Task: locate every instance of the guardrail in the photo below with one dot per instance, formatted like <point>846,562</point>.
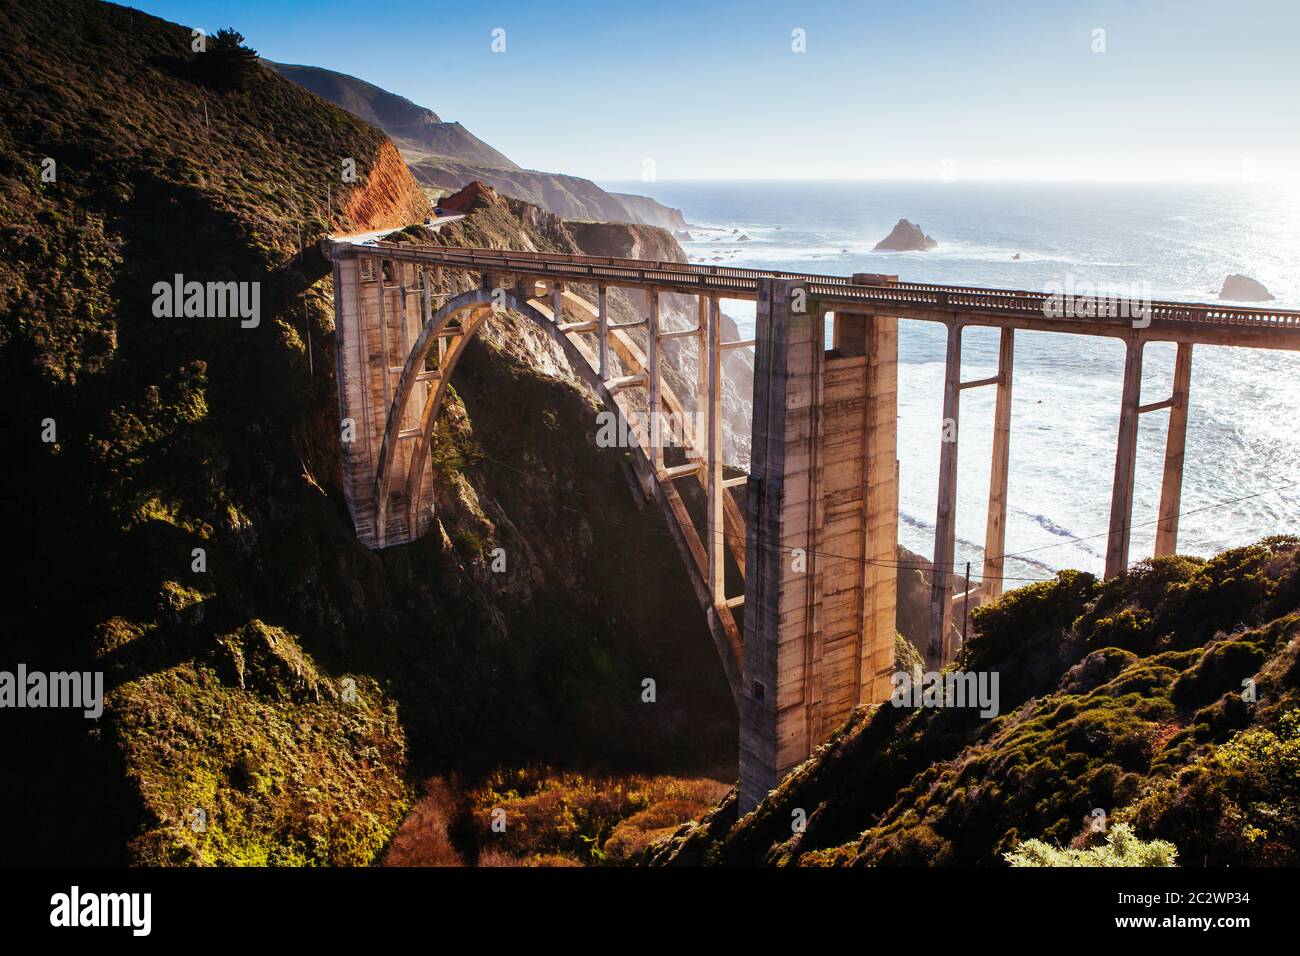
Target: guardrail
<point>743,283</point>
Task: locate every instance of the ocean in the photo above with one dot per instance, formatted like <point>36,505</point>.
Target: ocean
<point>1241,480</point>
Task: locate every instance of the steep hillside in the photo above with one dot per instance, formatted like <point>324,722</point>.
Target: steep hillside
<point>446,156</point>
<point>648,211</point>
<point>569,197</point>
<point>413,128</point>
<point>626,242</point>
<point>171,505</point>
<point>1168,699</point>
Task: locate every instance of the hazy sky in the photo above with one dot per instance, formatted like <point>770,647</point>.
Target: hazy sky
<point>967,89</point>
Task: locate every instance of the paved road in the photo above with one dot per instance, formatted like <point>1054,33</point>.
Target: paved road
<point>364,237</point>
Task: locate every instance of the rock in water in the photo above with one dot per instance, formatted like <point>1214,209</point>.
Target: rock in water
<point>906,237</point>
<point>1244,289</point>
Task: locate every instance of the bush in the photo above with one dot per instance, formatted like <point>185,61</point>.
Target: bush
<point>1122,848</point>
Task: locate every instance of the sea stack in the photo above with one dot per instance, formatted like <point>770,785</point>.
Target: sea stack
<point>1241,288</point>
<point>906,237</point>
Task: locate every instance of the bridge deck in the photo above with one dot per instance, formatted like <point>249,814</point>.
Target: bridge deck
<point>971,305</point>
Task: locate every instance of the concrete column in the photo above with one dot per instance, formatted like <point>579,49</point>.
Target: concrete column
<point>879,501</point>
<point>778,618</point>
<point>943,647</point>
<point>995,535</point>
<point>380,292</point>
<point>652,371</point>
<point>360,394</point>
<point>1171,490</point>
<point>426,297</point>
<point>399,272</point>
<point>602,316</point>
<point>1121,500</point>
<point>821,531</point>
<point>711,404</point>
<point>702,323</point>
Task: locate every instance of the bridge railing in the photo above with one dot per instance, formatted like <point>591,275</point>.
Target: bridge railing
<point>743,283</point>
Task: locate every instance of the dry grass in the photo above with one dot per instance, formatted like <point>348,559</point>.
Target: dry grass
<point>424,837</point>
<point>551,818</point>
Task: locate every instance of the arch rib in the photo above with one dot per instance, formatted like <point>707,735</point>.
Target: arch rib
<point>414,364</point>
<point>479,304</point>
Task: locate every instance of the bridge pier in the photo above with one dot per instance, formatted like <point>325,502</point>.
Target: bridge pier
<point>652,386</point>
<point>943,644</point>
<point>819,606</point>
<point>709,414</point>
<point>942,647</point>
<point>1171,490</point>
<point>1121,499</point>
<point>995,535</point>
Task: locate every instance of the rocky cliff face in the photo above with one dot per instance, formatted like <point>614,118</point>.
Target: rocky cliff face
<point>386,196</point>
<point>626,241</point>
<point>569,197</point>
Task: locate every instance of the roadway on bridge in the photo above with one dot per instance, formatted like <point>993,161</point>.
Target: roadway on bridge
<point>367,238</point>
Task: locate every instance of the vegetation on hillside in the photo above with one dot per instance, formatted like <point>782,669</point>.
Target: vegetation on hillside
<point>1168,700</point>
<point>1121,848</point>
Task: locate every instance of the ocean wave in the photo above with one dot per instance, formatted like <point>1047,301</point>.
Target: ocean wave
<point>1047,524</point>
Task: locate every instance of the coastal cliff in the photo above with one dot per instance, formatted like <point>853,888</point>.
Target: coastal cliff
<point>645,210</point>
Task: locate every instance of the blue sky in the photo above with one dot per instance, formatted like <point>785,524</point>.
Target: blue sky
<point>968,89</point>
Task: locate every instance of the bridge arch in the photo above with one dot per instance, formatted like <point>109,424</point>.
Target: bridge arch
<point>456,322</point>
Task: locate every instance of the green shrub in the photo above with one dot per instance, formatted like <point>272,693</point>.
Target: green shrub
<point>1121,848</point>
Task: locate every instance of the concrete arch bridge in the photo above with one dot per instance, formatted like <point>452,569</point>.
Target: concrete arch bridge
<point>811,635</point>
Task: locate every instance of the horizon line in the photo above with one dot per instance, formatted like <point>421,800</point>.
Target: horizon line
<point>1261,181</point>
